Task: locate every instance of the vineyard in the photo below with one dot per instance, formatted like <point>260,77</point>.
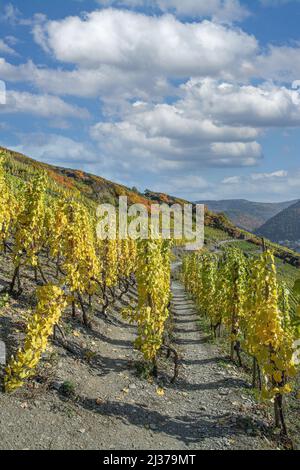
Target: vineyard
<point>39,231</point>
<point>259,315</point>
<point>65,277</point>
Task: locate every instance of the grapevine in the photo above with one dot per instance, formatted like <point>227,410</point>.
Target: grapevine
<point>153,284</point>
<point>30,229</point>
<point>7,208</point>
<point>51,302</point>
<point>245,296</point>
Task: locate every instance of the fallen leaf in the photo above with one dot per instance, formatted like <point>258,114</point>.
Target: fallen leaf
<point>160,392</point>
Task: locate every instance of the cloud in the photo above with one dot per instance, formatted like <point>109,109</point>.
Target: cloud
<point>111,81</point>
<point>57,150</point>
<point>279,63</point>
<point>214,123</point>
<point>5,48</point>
<point>11,40</point>
<point>121,39</point>
<point>113,57</point>
<point>267,176</point>
<point>223,10</point>
<point>232,180</point>
<point>160,135</point>
<point>188,185</point>
<point>40,105</point>
<point>271,186</point>
<point>266,105</point>
<point>106,83</point>
<point>11,14</point>
<point>176,97</point>
<point>67,152</point>
<point>237,153</point>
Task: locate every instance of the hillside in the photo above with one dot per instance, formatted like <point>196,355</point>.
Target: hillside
<point>95,189</point>
<point>285,226</point>
<point>247,214</point>
<point>88,368</point>
<point>88,186</point>
<point>91,390</point>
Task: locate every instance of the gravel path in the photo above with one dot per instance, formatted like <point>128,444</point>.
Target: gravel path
<point>221,413</point>
<point>209,407</point>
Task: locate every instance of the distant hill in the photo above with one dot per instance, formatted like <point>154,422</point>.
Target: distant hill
<point>246,214</point>
<point>285,226</point>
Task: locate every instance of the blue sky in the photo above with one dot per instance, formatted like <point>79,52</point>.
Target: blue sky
<point>198,99</point>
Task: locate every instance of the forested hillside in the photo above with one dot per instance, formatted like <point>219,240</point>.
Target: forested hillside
<point>285,226</point>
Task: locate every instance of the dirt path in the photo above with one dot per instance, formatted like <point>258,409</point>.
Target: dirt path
<point>221,412</point>
<point>113,408</point>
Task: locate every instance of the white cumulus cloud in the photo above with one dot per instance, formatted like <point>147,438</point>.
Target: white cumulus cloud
<point>170,134</point>
<point>265,105</point>
<point>132,41</point>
